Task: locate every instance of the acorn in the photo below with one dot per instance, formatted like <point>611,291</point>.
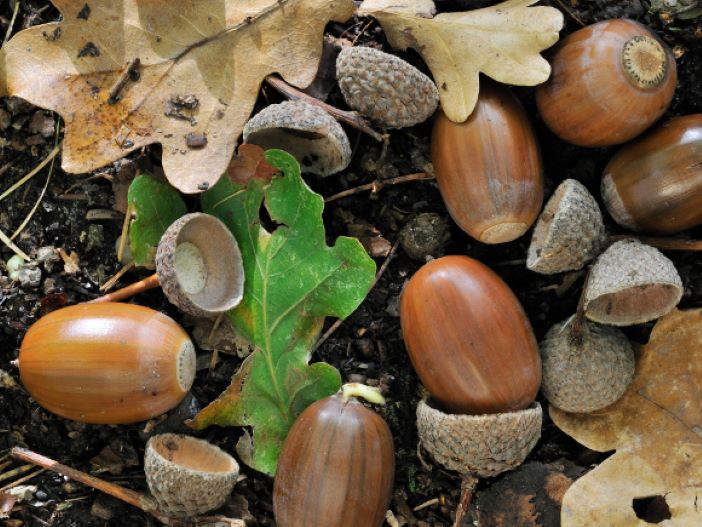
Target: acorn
<point>610,81</point>
<point>655,183</point>
<point>188,476</point>
<point>631,283</point>
<point>385,88</point>
<point>468,338</point>
<point>337,465</point>
<point>489,168</point>
<point>307,132</point>
<point>569,232</point>
<point>107,363</point>
<point>586,367</point>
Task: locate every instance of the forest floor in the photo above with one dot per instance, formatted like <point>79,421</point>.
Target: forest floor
<point>367,347</point>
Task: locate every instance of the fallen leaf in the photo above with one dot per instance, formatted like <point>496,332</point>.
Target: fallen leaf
<point>293,281</point>
<point>71,263</point>
<point>155,206</point>
<point>250,162</point>
<point>656,430</point>
<point>183,74</point>
<point>502,41</point>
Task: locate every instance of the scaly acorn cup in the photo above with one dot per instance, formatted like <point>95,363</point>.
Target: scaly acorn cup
<point>337,465</point>
<point>107,363</point>
<point>655,183</point>
<point>488,168</point>
<point>610,81</point>
<point>188,476</point>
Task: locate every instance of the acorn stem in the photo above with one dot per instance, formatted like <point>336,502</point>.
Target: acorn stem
<point>468,484</point>
<point>662,243</point>
<point>355,389</point>
<point>126,292</point>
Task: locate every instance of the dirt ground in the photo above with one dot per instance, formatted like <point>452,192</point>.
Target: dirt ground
<point>367,347</point>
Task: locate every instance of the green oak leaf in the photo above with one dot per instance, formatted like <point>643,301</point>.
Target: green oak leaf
<point>293,281</point>
<point>155,205</point>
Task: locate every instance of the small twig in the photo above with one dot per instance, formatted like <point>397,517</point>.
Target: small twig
<point>126,292</point>
<point>125,232</point>
<point>15,472</point>
<point>350,118</point>
<point>22,479</point>
<point>570,13</point>
<point>468,485</point>
<point>32,173</point>
<point>119,274</point>
<point>377,185</point>
<point>12,23</point>
<point>7,241</point>
<point>378,275</point>
<point>130,72</point>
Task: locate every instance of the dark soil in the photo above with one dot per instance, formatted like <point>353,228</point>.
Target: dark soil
<point>367,347</point>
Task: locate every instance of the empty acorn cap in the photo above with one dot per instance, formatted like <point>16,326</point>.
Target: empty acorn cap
<point>188,476</point>
<point>385,88</point>
<point>199,265</point>
<point>569,232</point>
<point>480,445</point>
<point>631,283</point>
<point>305,131</point>
<point>588,370</point>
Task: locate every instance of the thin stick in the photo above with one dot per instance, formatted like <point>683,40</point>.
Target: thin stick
<point>36,204</point>
<point>126,292</point>
<point>378,275</point>
<point>125,232</point>
<point>22,479</point>
<point>350,118</point>
<point>15,472</point>
<point>571,14</point>
<point>467,488</point>
<point>12,23</point>
<point>32,173</point>
<point>7,241</point>
<point>130,72</point>
<point>377,185</point>
<point>119,274</point>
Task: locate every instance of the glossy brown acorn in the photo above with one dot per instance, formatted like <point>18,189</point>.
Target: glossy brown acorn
<point>489,167</point>
<point>655,184</point>
<point>469,339</point>
<point>336,468</point>
<point>610,81</point>
<point>107,363</point>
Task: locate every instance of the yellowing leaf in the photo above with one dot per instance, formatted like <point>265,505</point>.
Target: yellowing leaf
<point>656,429</point>
<point>501,41</point>
<point>190,74</point>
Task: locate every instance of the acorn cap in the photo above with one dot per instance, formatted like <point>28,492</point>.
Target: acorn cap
<point>199,265</point>
<point>631,283</point>
<point>188,476</point>
<point>569,232</point>
<point>385,88</point>
<point>587,371</point>
<point>305,131</point>
<point>480,445</point>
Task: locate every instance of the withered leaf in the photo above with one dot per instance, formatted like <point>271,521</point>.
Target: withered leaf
<point>656,430</point>
<point>502,41</point>
<point>135,73</point>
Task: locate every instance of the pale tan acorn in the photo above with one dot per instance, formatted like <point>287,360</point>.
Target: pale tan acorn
<point>188,476</point>
<point>569,232</point>
<point>586,367</point>
<point>307,132</point>
<point>385,88</point>
<point>631,283</point>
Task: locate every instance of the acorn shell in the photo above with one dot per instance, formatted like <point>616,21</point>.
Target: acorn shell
<point>479,445</point>
<point>199,265</point>
<point>307,132</point>
<point>489,168</point>
<point>469,339</point>
<point>107,363</point>
<point>188,476</point>
<point>631,283</point>
<point>587,371</point>
<point>655,184</point>
<point>569,232</point>
<point>610,81</point>
<point>336,468</point>
<point>385,88</point>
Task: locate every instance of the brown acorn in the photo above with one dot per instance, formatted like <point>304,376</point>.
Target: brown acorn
<point>469,339</point>
<point>489,167</point>
<point>655,183</point>
<point>107,363</point>
<point>336,468</point>
<point>610,81</point>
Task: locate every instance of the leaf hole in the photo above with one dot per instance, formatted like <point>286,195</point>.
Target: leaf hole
<point>651,509</point>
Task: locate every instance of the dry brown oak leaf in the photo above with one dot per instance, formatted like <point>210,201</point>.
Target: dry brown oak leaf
<point>125,73</point>
<point>656,429</point>
<point>502,41</point>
